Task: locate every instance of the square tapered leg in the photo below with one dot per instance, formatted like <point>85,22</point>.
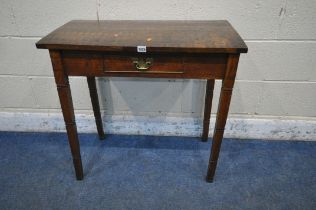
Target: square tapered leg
<point>223,108</point>
<point>95,105</point>
<point>65,98</point>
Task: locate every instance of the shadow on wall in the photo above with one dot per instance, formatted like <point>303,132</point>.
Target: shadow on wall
<point>169,97</point>
<point>151,97</point>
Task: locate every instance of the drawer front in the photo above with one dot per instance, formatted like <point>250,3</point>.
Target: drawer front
<point>204,66</point>
<point>83,64</point>
<point>142,64</point>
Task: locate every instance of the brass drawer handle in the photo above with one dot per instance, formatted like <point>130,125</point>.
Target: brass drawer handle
<point>142,64</point>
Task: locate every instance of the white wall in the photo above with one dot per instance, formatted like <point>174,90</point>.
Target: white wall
<point>276,78</point>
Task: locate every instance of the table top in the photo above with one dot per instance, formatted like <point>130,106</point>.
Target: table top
<point>217,36</point>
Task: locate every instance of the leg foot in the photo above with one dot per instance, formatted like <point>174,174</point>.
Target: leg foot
<point>78,167</point>
<point>101,136</point>
<point>209,179</point>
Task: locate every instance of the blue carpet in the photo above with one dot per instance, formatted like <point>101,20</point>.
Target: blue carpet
<point>149,172</point>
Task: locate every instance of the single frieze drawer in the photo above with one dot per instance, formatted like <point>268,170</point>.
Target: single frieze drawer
<point>144,64</point>
<point>176,66</point>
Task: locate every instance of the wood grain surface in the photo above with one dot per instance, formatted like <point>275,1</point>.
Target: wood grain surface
<point>216,36</point>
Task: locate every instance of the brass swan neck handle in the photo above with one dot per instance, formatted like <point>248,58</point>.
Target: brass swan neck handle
<point>142,64</point>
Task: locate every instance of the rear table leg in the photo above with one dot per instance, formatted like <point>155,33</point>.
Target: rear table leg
<point>95,106</point>
<point>207,108</point>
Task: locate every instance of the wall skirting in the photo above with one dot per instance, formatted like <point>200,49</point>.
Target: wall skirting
<point>237,127</point>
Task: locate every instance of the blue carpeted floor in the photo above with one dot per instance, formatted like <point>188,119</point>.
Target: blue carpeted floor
<point>148,172</point>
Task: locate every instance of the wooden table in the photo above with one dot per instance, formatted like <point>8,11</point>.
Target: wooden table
<point>156,49</point>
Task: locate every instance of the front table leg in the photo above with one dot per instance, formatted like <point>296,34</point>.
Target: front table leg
<point>223,107</point>
<point>64,93</point>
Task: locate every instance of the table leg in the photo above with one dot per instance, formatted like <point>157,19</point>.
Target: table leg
<point>207,108</point>
<point>223,107</point>
<point>65,98</point>
<point>95,106</point>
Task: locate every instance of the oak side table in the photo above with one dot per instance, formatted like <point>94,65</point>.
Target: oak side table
<point>156,49</point>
